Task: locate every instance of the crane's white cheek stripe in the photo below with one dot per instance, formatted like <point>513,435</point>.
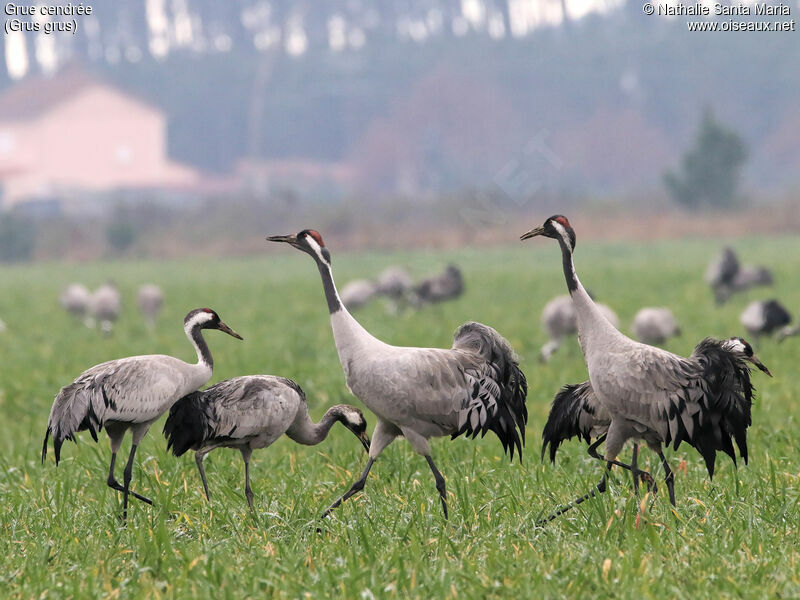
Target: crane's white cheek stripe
<point>198,319</point>
<point>316,248</point>
<point>562,232</point>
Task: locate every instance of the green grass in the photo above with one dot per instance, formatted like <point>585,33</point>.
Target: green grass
<point>61,536</point>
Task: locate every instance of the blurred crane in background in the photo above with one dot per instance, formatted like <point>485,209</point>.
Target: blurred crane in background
<point>150,299</point>
<point>655,325</point>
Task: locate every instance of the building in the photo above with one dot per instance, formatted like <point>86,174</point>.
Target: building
<point>72,136</point>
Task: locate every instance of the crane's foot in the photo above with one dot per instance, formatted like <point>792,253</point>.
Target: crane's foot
<point>598,489</point>
<point>116,485</point>
<point>354,489</point>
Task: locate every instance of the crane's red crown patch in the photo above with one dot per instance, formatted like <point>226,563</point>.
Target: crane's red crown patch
<point>317,237</point>
<point>564,221</point>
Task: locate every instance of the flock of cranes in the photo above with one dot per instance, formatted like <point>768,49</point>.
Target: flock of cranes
<point>635,391</point>
<point>103,307</point>
<point>395,284</point>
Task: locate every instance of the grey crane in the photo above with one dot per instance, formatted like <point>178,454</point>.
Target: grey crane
<point>439,288</point>
<point>394,283</point>
<point>358,293</point>
<point>131,393</point>
<point>721,272</point>
<point>650,394</point>
<point>249,413</point>
<point>75,299</point>
<point>763,317</point>
<point>105,306</point>
<point>727,276</point>
<point>558,320</point>
<point>577,412</point>
<point>655,325</point>
<point>420,393</point>
<point>150,299</point>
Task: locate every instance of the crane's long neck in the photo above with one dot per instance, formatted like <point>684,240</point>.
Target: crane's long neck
<point>331,293</point>
<point>304,431</point>
<point>348,333</point>
<point>204,358</point>
<point>591,321</point>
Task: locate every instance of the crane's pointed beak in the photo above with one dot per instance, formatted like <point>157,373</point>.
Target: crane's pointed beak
<point>288,239</point>
<point>229,331</point>
<point>364,440</point>
<point>760,365</point>
<point>532,233</point>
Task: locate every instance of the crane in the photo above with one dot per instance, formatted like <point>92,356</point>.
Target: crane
<point>150,299</point>
<point>249,413</point>
<point>394,283</point>
<point>763,317</point>
<point>358,293</point>
<point>447,285</point>
<point>727,276</point>
<point>131,393</point>
<point>105,306</point>
<point>576,411</point>
<point>655,325</point>
<point>75,299</point>
<point>650,394</point>
<point>419,393</point>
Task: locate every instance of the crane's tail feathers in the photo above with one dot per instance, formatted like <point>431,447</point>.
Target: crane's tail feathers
<point>574,411</point>
<point>77,407</point>
<point>724,398</point>
<point>498,391</point>
<point>188,423</point>
<point>44,445</point>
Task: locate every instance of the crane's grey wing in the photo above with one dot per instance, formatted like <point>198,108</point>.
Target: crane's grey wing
<point>235,409</point>
<point>703,400</point>
<point>575,411</point>
<point>653,387</point>
<point>132,389</point>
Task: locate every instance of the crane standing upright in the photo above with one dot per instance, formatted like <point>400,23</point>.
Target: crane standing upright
<point>131,393</point>
<point>150,299</point>
<point>653,395</point>
<point>420,393</point>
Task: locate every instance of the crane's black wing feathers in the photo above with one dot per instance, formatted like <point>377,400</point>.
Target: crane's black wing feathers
<point>574,412</point>
<point>498,389</point>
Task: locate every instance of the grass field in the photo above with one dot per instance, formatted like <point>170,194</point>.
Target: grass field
<point>737,537</point>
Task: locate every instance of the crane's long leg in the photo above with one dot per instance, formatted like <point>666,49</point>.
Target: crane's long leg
<point>600,487</point>
<point>644,475</point>
<point>248,492</point>
<point>127,482</point>
<point>116,485</point>
<point>669,477</point>
<point>383,435</point>
<point>356,487</point>
<point>440,486</point>
<point>199,456</point>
